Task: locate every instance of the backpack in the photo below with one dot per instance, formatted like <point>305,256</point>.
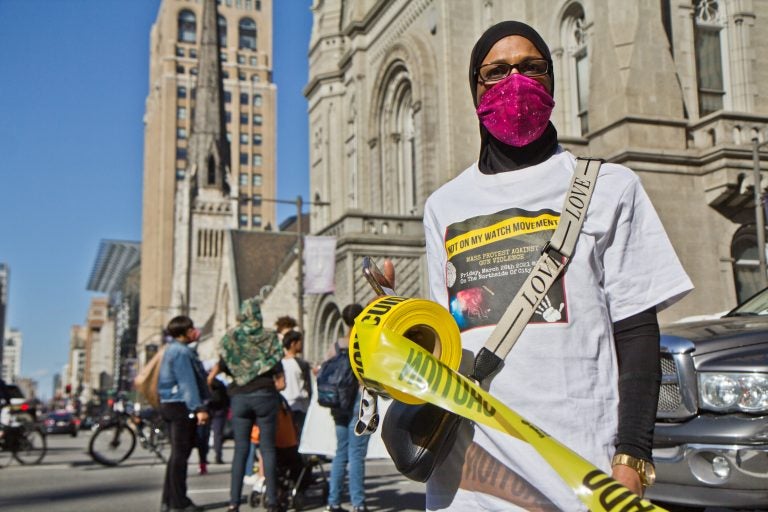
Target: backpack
<point>306,374</point>
<point>146,380</point>
<point>336,384</point>
<point>219,399</point>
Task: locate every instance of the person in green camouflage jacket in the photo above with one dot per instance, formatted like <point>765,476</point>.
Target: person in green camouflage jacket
<point>251,355</point>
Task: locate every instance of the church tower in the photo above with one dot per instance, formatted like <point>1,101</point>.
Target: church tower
<point>204,207</point>
<point>209,151</point>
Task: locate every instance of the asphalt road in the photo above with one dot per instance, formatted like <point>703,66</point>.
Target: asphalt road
<point>69,480</point>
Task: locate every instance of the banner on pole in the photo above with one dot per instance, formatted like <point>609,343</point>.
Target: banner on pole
<point>319,264</point>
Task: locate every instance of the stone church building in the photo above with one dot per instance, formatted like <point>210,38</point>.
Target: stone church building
<point>674,90</point>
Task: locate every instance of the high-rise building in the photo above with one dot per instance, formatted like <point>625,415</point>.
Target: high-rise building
<point>209,161</point>
<point>12,351</point>
<point>116,272</point>
<point>3,300</point>
<point>77,356</point>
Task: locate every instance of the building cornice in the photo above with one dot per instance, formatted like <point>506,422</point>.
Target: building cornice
<point>364,25</point>
<point>319,79</point>
<point>652,120</point>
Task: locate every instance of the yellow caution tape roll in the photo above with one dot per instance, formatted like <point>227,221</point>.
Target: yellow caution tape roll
<point>421,321</point>
<point>423,369</point>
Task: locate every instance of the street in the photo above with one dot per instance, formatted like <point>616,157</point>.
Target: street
<point>69,480</point>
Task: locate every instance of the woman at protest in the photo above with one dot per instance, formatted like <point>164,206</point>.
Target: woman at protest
<point>586,368</point>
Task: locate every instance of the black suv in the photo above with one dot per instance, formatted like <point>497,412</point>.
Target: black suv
<point>711,441</point>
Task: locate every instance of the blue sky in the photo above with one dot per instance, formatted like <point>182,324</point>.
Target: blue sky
<point>73,80</point>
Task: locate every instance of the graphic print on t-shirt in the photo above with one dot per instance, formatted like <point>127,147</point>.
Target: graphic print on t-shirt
<point>489,259</point>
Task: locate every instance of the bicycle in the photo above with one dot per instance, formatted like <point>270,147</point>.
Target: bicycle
<point>114,439</point>
<point>22,441</point>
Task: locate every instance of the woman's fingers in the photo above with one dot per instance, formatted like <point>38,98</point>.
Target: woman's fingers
<point>389,273</point>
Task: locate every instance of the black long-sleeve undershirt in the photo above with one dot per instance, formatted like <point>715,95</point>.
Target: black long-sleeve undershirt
<point>637,350</point>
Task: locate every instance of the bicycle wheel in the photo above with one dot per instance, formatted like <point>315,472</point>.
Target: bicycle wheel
<point>32,447</point>
<point>157,440</point>
<point>112,444</point>
<point>6,455</point>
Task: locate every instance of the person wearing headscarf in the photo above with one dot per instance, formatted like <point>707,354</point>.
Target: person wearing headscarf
<point>252,356</point>
<point>586,368</point>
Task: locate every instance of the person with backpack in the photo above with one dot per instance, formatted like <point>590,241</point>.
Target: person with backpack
<point>298,382</point>
<point>337,386</point>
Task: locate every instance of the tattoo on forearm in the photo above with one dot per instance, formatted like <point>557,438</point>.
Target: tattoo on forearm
<point>484,473</point>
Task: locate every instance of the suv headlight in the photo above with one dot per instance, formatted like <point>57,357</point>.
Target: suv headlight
<point>730,392</point>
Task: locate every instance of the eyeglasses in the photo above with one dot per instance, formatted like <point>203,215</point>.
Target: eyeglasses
<point>497,71</point>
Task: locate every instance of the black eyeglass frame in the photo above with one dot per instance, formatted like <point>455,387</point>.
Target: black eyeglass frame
<point>511,67</point>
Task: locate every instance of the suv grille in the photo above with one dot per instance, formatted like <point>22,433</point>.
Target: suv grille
<point>669,394</point>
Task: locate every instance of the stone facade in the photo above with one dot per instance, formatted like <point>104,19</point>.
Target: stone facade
<point>673,90</point>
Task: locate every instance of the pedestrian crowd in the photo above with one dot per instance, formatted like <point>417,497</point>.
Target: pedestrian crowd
<point>261,386</point>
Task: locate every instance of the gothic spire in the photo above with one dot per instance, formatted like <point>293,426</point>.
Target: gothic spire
<point>208,147</point>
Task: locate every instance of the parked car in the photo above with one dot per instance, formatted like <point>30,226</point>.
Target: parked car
<point>711,441</point>
<point>61,422</point>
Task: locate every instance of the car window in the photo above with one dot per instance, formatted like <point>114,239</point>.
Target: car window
<point>757,305</point>
<point>14,391</point>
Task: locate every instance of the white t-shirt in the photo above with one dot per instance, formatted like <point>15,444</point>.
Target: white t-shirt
<point>295,392</point>
<point>483,234</point>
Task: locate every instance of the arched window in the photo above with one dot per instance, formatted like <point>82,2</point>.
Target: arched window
<point>187,26</point>
<point>709,23</point>
<point>576,67</point>
<point>398,130</point>
<point>211,170</point>
<point>222,22</point>
<point>247,34</point>
<point>407,149</point>
<point>746,266</point>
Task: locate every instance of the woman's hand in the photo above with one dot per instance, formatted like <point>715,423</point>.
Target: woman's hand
<point>629,478</point>
<point>215,370</point>
<point>280,381</point>
<point>389,274</point>
<point>202,417</point>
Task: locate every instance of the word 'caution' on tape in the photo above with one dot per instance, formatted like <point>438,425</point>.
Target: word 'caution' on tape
<point>410,349</point>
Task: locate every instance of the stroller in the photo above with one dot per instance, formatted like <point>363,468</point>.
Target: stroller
<point>299,477</point>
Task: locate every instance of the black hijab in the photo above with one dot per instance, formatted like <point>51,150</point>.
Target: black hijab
<point>495,156</point>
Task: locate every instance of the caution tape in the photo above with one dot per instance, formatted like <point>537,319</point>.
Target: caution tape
<point>410,349</point>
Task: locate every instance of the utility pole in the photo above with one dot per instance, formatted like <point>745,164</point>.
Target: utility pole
<point>300,272</point>
<point>299,202</point>
<point>759,212</point>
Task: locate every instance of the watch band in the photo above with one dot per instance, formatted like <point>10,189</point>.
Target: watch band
<point>645,469</point>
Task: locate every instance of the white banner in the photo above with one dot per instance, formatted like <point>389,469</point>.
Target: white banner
<point>319,434</point>
<point>319,264</point>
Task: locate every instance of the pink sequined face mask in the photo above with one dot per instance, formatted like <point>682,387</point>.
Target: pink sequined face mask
<point>516,110</point>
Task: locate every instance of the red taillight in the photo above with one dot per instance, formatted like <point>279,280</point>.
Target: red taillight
<point>24,407</point>
<point>49,423</point>
<point>76,421</point>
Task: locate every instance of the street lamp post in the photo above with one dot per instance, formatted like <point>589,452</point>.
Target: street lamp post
<point>759,213</point>
<point>299,202</point>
